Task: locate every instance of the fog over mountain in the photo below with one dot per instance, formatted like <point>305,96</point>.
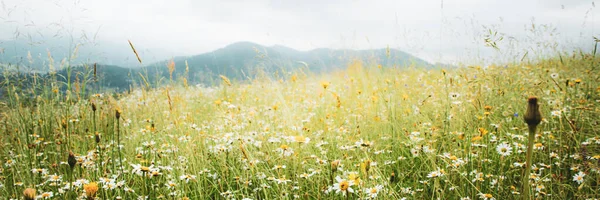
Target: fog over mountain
<point>437,31</point>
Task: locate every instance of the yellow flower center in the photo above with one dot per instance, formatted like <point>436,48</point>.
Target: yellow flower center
<point>344,185</point>
<point>284,147</point>
<point>373,191</point>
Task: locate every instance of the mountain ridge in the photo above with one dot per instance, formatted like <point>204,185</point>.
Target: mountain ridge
<point>246,60</point>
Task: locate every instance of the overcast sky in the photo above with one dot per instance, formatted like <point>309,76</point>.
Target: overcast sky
<point>438,31</point>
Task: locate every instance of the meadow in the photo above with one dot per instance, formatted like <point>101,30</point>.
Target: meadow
<point>365,132</point>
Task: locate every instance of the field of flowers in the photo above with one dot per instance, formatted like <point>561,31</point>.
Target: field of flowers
<point>366,132</point>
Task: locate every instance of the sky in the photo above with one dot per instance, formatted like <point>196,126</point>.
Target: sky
<point>450,31</point>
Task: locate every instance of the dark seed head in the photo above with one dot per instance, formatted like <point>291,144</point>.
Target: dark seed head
<point>72,161</point>
<point>533,117</point>
<point>97,137</point>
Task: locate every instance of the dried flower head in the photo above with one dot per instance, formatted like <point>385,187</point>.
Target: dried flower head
<point>97,137</point>
<point>118,113</point>
<point>334,165</point>
<point>71,160</point>
<point>533,117</point>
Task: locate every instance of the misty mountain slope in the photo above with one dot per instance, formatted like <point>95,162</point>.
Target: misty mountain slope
<point>244,60</point>
<point>237,61</point>
<point>34,53</point>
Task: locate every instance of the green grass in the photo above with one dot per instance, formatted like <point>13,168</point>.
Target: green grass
<point>424,134</point>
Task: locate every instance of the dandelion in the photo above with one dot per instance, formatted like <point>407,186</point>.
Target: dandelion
<point>504,149</point>
<point>579,177</point>
<point>29,194</point>
<point>90,190</point>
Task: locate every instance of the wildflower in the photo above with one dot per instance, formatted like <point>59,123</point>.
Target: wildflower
<point>554,75</point>
<point>45,195</point>
<point>40,171</point>
<point>504,149</point>
<point>556,113</point>
<point>29,194</point>
<point>301,139</point>
<point>90,190</point>
<point>579,177</point>
<point>139,169</point>
<point>171,185</point>
<point>372,192</point>
<point>344,186</point>
<point>325,84</point>
<point>285,150</point>
<point>437,173</point>
<point>486,196</point>
<point>276,167</point>
<point>9,163</point>
<point>539,187</point>
<point>363,143</point>
<point>54,178</point>
<point>454,95</point>
<point>282,180</point>
<point>538,146</point>
<point>187,178</point>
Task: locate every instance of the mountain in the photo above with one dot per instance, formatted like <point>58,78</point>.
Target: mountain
<point>34,54</point>
<point>243,60</point>
<point>237,61</point>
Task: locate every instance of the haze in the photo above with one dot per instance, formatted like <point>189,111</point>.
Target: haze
<point>437,31</point>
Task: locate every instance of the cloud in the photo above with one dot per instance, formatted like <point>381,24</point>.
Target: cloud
<point>439,31</point>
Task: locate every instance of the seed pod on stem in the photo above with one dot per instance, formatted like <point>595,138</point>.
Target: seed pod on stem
<point>532,117</point>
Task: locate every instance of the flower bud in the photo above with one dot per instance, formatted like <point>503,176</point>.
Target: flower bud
<point>72,161</point>
<point>533,117</point>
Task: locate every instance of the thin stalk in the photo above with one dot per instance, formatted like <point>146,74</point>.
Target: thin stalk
<point>526,176</point>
